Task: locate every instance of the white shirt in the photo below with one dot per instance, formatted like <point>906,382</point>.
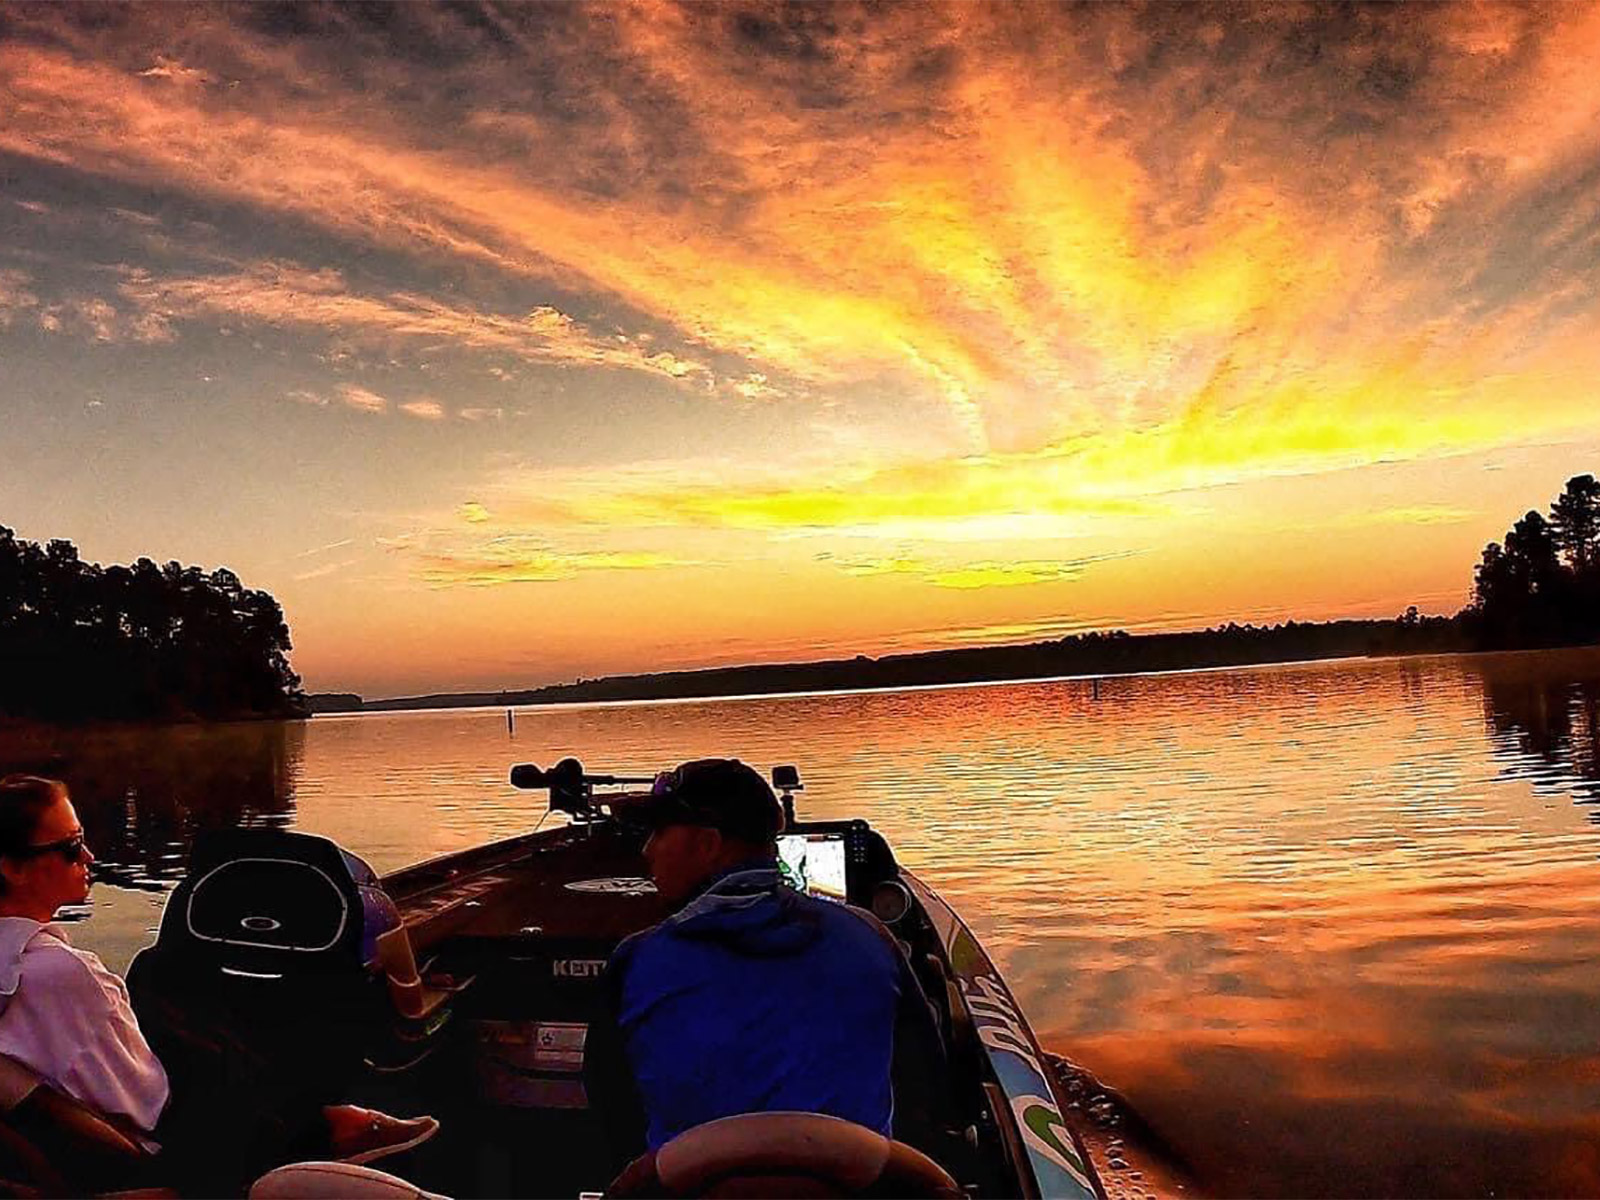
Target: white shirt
<point>63,1013</point>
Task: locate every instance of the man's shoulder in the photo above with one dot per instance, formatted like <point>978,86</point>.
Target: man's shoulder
<point>846,922</point>
<point>839,922</point>
<point>628,949</point>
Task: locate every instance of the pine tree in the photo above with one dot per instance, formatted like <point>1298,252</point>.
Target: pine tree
<point>1575,523</point>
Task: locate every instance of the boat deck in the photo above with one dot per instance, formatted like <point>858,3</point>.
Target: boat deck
<point>575,884</point>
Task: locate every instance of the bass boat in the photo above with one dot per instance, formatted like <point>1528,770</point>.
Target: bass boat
<point>464,986</point>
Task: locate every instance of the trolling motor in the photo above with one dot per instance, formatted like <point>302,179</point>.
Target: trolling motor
<point>571,791</point>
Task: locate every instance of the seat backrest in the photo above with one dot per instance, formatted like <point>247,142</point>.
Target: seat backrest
<point>257,973</point>
<point>265,903</point>
<point>784,1153</point>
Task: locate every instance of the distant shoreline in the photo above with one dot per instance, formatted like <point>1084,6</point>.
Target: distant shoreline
<point>1086,656</point>
<point>377,709</point>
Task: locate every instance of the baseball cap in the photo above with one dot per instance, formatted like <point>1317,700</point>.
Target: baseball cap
<point>718,793</point>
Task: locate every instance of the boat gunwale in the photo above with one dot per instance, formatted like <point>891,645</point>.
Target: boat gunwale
<point>1016,1062</point>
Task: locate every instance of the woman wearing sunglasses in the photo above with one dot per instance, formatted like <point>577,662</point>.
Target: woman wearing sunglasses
<point>62,1012</point>
<point>67,1017</point>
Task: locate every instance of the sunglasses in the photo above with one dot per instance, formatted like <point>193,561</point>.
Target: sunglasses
<point>70,849</point>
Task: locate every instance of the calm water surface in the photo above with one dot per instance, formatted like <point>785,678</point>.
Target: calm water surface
<point>1330,927</point>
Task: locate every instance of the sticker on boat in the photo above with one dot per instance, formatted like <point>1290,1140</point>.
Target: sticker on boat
<point>617,885</point>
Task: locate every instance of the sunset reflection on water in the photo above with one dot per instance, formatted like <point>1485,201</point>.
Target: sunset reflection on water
<point>1328,926</point>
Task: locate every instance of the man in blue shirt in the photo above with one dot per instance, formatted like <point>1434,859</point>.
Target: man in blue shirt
<point>751,997</point>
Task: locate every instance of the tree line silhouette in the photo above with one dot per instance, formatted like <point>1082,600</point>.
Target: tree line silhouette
<point>80,641</point>
<point>1541,586</point>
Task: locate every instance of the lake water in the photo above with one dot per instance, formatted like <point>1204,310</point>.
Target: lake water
<point>1330,927</point>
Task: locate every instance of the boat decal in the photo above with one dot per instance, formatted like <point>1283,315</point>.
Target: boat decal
<point>1045,1133</point>
<point>619,885</point>
<point>999,1024</point>
<point>1058,1168</point>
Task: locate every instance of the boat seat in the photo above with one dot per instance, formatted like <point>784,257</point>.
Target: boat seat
<point>51,1145</point>
<point>344,1181</point>
<point>269,928</point>
<point>788,1154</point>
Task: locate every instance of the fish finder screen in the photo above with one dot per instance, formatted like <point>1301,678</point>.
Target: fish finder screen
<point>814,863</point>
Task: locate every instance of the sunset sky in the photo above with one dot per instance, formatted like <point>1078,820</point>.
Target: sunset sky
<point>510,344</point>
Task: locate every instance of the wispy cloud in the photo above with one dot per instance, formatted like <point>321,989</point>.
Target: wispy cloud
<point>517,558</point>
<point>972,575</point>
<point>101,321</point>
<point>754,386</point>
<point>1410,514</point>
<point>280,294</point>
<point>330,546</point>
<point>361,399</point>
<point>423,410</point>
<point>89,316</point>
<point>173,70</point>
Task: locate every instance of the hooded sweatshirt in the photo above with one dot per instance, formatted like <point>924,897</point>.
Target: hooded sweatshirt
<point>757,998</point>
<point>65,1015</point>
